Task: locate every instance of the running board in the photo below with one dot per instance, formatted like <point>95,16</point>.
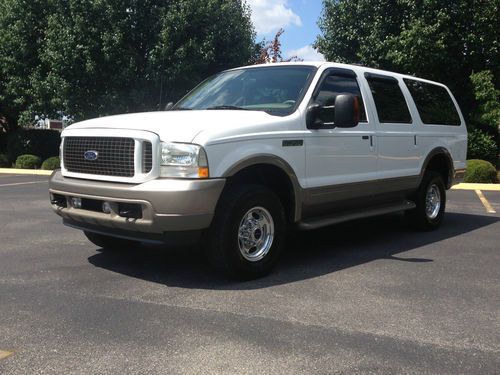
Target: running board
<point>324,221</point>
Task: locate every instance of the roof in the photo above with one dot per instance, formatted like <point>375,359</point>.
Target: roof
<point>354,67</point>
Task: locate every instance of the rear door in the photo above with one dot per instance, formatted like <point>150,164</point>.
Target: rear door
<point>398,154</point>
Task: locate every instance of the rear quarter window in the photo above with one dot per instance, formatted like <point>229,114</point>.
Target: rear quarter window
<point>433,102</point>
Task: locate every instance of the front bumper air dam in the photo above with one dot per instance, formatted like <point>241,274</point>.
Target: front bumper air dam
<point>171,208</point>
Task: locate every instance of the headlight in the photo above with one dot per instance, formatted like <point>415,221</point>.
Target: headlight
<point>183,160</point>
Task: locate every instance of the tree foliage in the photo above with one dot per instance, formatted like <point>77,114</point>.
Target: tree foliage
<point>488,98</point>
<point>21,38</point>
<point>443,40</point>
<point>90,58</point>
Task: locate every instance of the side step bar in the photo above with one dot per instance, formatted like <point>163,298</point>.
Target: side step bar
<point>324,221</point>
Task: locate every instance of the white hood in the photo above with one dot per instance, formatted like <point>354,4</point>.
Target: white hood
<point>182,126</point>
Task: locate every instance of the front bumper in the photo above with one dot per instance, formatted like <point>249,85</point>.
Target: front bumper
<point>169,206</point>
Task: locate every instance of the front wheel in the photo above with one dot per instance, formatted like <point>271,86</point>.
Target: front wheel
<point>248,232</point>
<point>430,200</point>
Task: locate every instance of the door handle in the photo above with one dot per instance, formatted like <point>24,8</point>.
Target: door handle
<point>370,137</point>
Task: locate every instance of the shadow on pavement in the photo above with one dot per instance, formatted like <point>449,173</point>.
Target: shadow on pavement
<point>308,254</point>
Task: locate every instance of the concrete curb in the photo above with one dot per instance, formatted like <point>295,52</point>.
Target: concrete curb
<point>33,172</point>
<point>486,187</point>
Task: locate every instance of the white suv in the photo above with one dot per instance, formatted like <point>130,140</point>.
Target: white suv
<point>253,151</point>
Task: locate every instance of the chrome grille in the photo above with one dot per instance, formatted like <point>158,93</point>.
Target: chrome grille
<point>147,157</point>
<point>115,155</point>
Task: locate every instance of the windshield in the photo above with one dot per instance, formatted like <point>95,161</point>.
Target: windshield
<point>275,90</point>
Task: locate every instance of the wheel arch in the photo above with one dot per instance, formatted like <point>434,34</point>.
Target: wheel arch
<point>441,161</point>
<point>273,172</point>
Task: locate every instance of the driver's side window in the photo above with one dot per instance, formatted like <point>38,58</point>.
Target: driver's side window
<point>332,86</point>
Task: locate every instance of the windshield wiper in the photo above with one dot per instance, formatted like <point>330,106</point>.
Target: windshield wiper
<point>181,109</point>
<point>227,107</point>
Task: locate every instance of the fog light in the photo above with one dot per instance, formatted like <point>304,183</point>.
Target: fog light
<point>58,200</point>
<point>76,202</point>
<point>106,208</point>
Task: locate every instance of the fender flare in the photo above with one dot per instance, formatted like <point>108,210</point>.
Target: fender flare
<point>451,169</point>
<point>275,161</point>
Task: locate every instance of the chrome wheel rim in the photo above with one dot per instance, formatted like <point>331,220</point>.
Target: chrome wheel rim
<point>256,234</point>
<point>432,201</point>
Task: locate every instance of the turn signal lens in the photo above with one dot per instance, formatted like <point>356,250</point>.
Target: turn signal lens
<point>203,172</point>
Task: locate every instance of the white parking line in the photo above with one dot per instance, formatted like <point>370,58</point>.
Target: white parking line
<point>24,183</point>
<point>484,201</point>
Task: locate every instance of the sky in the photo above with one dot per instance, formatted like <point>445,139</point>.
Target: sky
<point>297,17</point>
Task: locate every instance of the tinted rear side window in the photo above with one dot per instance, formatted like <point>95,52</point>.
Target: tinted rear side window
<point>433,102</point>
<point>389,99</point>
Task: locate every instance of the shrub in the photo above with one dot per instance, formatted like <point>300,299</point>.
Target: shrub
<point>28,162</point>
<point>51,163</point>
<point>480,171</point>
<point>44,143</point>
<point>482,146</point>
<point>4,161</point>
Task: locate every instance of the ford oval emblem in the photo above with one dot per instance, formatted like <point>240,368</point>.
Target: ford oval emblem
<point>90,155</point>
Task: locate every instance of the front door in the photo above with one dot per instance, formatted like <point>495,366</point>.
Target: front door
<point>339,161</point>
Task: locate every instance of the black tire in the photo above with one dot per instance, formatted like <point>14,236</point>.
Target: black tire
<point>108,242</point>
<point>422,217</point>
<point>227,250</point>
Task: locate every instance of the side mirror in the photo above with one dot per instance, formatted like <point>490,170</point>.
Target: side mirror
<point>169,106</point>
<point>312,120</point>
<point>346,111</point>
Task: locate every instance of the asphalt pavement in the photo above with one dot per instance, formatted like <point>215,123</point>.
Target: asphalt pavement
<point>369,296</point>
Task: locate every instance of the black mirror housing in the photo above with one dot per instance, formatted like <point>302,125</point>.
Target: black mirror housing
<point>312,120</point>
<point>346,111</point>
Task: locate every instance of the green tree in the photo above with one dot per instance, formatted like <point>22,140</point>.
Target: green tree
<point>488,98</point>
<point>198,38</point>
<point>22,29</point>
<point>97,54</point>
<point>90,58</point>
<point>444,40</point>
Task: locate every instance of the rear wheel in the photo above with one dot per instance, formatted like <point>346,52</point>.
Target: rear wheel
<point>108,242</point>
<point>430,200</point>
<point>248,232</point>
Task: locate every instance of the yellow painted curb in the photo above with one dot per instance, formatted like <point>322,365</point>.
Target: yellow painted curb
<point>486,187</point>
<point>35,172</point>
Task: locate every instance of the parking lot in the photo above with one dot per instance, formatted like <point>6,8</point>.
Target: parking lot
<point>369,296</point>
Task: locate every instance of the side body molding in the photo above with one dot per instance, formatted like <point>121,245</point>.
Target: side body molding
<point>273,160</point>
